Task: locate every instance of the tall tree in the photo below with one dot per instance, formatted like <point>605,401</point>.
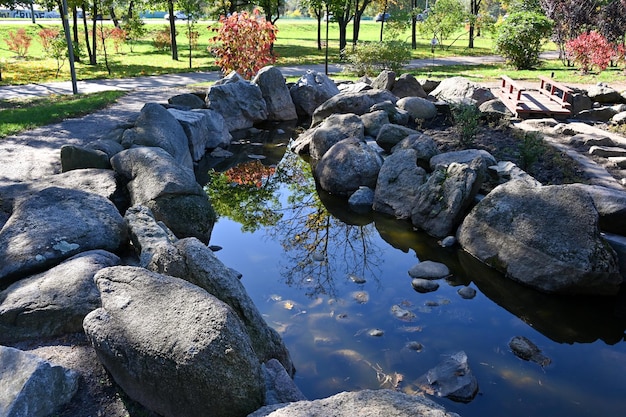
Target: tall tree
<point>571,18</point>
<point>343,12</point>
<point>359,9</point>
<point>272,9</point>
<point>612,21</point>
<point>316,8</point>
<point>473,18</point>
<point>193,10</point>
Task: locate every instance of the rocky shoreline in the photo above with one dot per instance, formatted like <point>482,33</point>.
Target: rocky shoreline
<point>124,229</point>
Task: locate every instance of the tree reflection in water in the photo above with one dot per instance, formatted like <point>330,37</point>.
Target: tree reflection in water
<point>319,248</point>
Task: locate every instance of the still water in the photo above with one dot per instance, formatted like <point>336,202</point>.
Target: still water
<point>324,277</point>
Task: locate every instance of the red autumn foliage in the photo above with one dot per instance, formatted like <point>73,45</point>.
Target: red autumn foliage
<point>243,43</point>
<point>47,35</point>
<point>590,50</point>
<point>251,173</point>
<point>19,42</point>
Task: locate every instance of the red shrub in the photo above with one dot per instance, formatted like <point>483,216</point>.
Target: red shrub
<point>590,50</point>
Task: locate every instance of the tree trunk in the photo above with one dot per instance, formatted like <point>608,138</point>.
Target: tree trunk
<point>319,29</point>
<point>170,9</point>
<point>92,58</point>
<point>94,34</point>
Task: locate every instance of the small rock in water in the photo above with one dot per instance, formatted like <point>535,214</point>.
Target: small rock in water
<point>448,242</point>
<point>356,279</point>
<point>452,378</point>
<point>429,270</point>
<point>215,248</point>
<point>523,348</point>
<point>467,292</point>
<point>401,313</point>
<point>361,297</point>
<point>424,285</point>
<point>413,345</point>
<point>375,332</point>
<point>253,156</point>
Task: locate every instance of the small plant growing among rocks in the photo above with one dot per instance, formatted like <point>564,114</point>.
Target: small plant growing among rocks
<point>531,147</point>
<point>466,119</point>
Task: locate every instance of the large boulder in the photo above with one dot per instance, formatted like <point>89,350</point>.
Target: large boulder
<point>384,81</point>
<point>424,145</point>
<point>55,224</point>
<point>395,114</point>
<point>156,127</point>
<point>391,134</point>
<point>452,378</point>
<point>173,347</point>
<point>462,90</point>
<point>32,386</point>
<point>611,206</point>
<point>544,237</point>
<point>78,157</point>
<point>374,121</point>
<point>240,102</point>
<point>369,403</point>
<point>202,268</point>
<point>398,182</point>
<point>346,166</point>
<point>357,103</point>
<point>444,198</point>
<point>335,128</point>
<point>274,90</point>
<point>463,157</point>
<point>418,108</point>
<point>54,302</point>
<point>310,91</point>
<point>170,191</point>
<point>604,94</point>
<point>205,129</point>
<point>407,86</point>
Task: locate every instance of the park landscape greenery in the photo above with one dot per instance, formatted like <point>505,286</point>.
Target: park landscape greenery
<point>135,46</point>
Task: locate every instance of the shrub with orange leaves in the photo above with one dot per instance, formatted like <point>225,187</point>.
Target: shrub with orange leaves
<point>243,43</point>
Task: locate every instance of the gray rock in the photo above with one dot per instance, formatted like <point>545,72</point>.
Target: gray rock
<point>54,302</point>
<point>156,127</point>
<point>607,151</point>
<point>188,100</point>
<point>188,215</point>
<point>591,140</point>
<point>619,118</point>
<point>240,102</point>
<point>602,93</point>
<point>580,102</point>
<point>429,270</point>
<point>467,293</point>
<point>373,121</point>
<point>31,386</point>
<point>196,263</point>
<point>335,128</point>
<point>452,379</point>
<point>418,108</point>
<point>384,81</point>
<point>448,242</point>
<point>55,224</point>
<point>205,129</point>
<point>429,85</point>
<point>407,86</point>
<point>618,243</point>
<point>173,347</point>
<point>391,134</point>
<point>310,91</point>
<point>357,103</point>
<point>274,90</point>
<point>461,90</point>
<point>523,348</point>
<point>353,87</point>
<point>369,403</point>
<point>395,114</point>
<point>423,286</point>
<point>600,114</point>
<point>463,157</point>
<point>611,206</point>
<point>424,146</point>
<point>526,232</point>
<point>361,200</point>
<point>444,198</point>
<point>397,185</point>
<point>77,157</point>
<point>494,110</point>
<point>147,235</point>
<point>280,388</point>
<point>108,146</point>
<point>507,170</point>
<point>348,165</point>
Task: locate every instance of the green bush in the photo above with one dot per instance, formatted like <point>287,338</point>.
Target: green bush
<point>520,37</point>
<point>369,58</point>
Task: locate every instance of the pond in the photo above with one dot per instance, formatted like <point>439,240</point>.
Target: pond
<point>325,277</point>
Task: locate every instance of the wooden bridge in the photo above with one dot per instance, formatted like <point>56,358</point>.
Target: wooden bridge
<point>550,99</point>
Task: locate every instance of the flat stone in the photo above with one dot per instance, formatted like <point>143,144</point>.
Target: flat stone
<point>429,270</point>
<point>424,285</point>
<point>607,151</point>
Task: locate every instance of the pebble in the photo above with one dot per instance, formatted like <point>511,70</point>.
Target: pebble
<point>413,345</point>
<point>429,270</point>
<point>361,297</point>
<point>423,285</point>
<point>356,279</point>
<point>467,292</point>
<point>375,332</point>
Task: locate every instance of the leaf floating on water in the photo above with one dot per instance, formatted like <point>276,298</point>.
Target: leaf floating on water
<point>275,297</point>
<point>288,305</point>
<point>356,279</point>
<point>375,332</point>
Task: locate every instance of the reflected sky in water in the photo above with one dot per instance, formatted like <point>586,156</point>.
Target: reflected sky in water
<point>325,278</point>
